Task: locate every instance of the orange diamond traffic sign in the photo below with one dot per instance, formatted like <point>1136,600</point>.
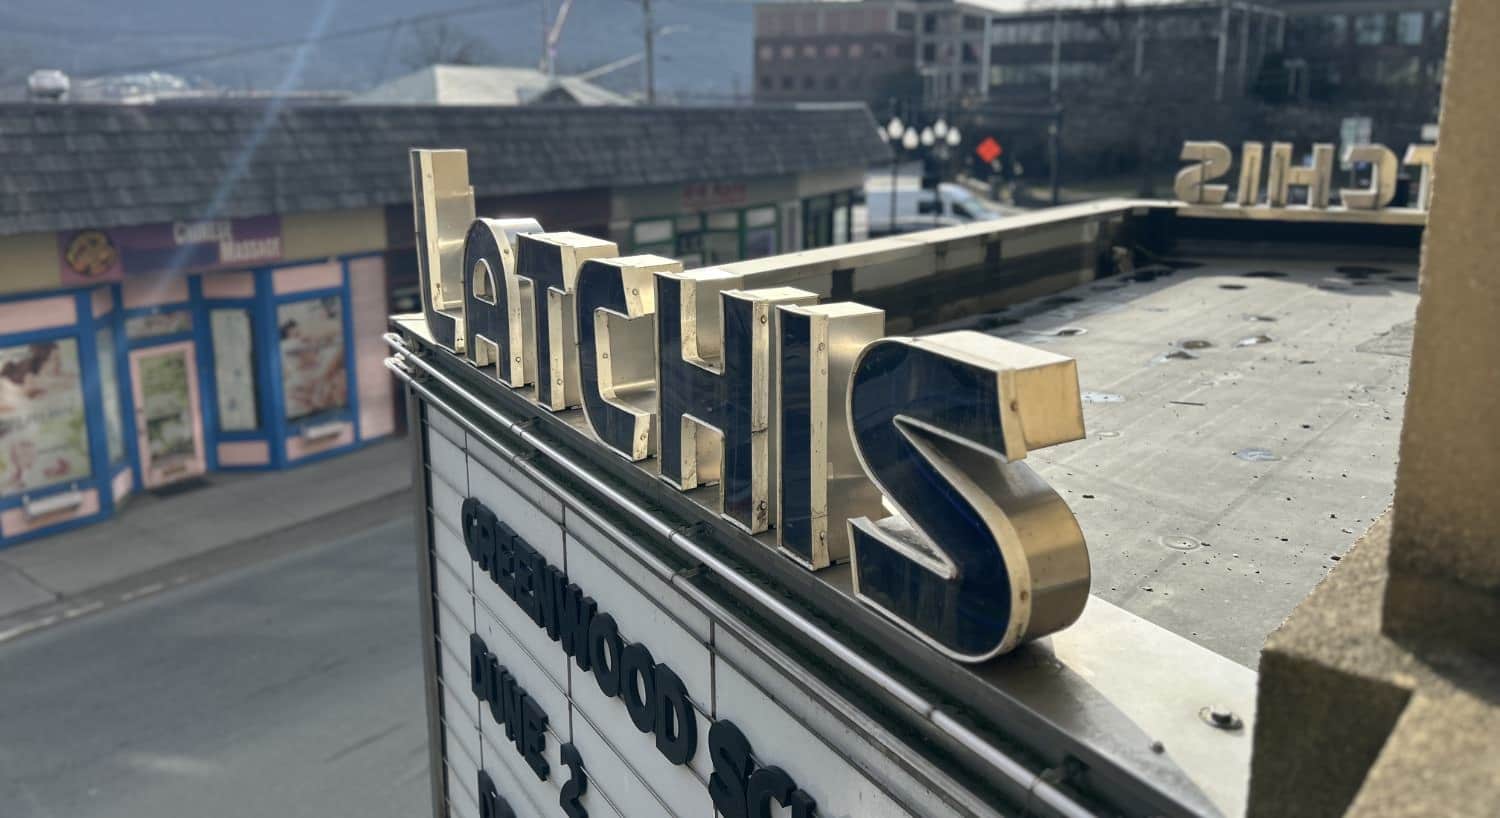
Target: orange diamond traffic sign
<point>989,150</point>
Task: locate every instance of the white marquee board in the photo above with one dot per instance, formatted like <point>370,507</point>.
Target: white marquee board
<point>626,775</point>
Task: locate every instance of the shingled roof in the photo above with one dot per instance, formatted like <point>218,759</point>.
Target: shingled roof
<point>65,167</point>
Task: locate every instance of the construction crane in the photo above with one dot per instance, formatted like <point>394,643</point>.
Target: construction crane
<point>549,53</point>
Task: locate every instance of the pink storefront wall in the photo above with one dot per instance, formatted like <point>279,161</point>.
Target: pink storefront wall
<point>367,292</point>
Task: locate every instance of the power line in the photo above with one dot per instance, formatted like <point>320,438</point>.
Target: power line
<point>341,34</point>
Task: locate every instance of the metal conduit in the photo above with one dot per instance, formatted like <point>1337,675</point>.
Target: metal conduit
<point>1046,798</point>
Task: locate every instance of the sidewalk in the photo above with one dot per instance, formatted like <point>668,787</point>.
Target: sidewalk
<point>236,519</point>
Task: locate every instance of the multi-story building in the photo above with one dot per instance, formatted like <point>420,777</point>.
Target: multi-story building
<point>1347,52</point>
<point>815,51</point>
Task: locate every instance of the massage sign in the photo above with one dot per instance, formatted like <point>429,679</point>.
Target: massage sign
<point>900,461</point>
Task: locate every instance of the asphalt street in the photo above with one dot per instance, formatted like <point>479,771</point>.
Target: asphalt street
<point>289,688</point>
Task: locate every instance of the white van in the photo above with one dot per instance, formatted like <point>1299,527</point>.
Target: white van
<point>918,209</point>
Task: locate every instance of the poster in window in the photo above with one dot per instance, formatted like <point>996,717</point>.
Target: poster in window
<point>157,324</point>
<point>313,376</point>
<point>109,392</point>
<point>43,438</point>
<point>167,405</point>
<point>234,370</point>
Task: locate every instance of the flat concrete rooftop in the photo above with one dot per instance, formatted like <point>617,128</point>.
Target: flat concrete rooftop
<point>1243,417</point>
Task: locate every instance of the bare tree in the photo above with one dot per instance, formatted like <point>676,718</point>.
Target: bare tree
<point>441,43</point>
<point>1155,79</point>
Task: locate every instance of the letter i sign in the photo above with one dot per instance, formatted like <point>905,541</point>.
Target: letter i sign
<point>989,150</point>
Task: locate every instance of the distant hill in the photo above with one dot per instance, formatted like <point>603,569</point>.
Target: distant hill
<point>705,56</point>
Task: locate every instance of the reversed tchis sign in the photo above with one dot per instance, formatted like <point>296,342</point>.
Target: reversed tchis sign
<point>903,457</point>
<point>1278,176</point>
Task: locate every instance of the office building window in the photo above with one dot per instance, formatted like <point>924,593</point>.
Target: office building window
<point>929,53</point>
<point>856,50</point>
<point>1369,29</point>
<point>832,51</point>
<point>972,23</point>
<point>906,21</point>
<point>788,52</point>
<point>809,52</point>
<point>1409,28</point>
<point>930,23</point>
<point>767,53</point>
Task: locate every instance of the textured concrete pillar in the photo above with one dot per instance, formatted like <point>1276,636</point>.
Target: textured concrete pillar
<point>1445,536</point>
<point>1380,695</point>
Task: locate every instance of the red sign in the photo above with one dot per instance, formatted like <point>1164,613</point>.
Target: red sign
<point>705,195</point>
<point>989,150</point>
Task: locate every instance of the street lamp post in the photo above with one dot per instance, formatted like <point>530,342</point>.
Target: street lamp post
<point>893,133</point>
<point>938,136</point>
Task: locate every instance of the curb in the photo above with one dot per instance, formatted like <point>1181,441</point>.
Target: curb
<point>221,560</point>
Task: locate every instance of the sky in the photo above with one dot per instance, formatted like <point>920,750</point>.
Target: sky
<point>706,50</point>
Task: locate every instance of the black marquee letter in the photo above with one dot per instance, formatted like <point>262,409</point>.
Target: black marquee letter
<point>673,710</point>
<point>730,751</point>
<point>640,699</point>
<point>577,615</point>
<point>576,785</point>
<point>605,652</point>
<point>765,784</point>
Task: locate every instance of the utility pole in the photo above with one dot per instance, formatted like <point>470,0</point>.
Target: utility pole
<point>1054,130</point>
<point>650,27</point>
<point>1223,52</point>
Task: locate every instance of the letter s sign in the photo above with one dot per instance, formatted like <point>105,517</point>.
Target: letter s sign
<point>982,554</point>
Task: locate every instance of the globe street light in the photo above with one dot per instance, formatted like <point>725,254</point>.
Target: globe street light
<point>895,128</point>
<point>940,128</point>
<point>954,137</point>
<point>928,138</point>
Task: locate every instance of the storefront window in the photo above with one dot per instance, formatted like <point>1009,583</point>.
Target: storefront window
<point>721,238</point>
<point>690,241</point>
<point>841,218</point>
<point>234,369</point>
<point>109,392</point>
<point>43,436</point>
<point>760,232</point>
<point>817,222</point>
<point>653,237</point>
<point>314,378</point>
<point>158,324</point>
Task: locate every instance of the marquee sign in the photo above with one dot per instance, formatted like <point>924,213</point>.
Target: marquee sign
<point>571,686</point>
<point>902,456</point>
<point>1197,183</point>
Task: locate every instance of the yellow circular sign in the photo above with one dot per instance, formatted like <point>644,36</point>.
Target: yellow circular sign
<point>91,253</point>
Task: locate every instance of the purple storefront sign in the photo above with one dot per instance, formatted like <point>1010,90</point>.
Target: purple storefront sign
<point>93,256</point>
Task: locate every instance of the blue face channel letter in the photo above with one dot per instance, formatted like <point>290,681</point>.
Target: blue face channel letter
<point>714,389</point>
<point>550,261</point>
<point>616,302</point>
<point>498,308</point>
<point>820,481</point>
<point>982,554</point>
